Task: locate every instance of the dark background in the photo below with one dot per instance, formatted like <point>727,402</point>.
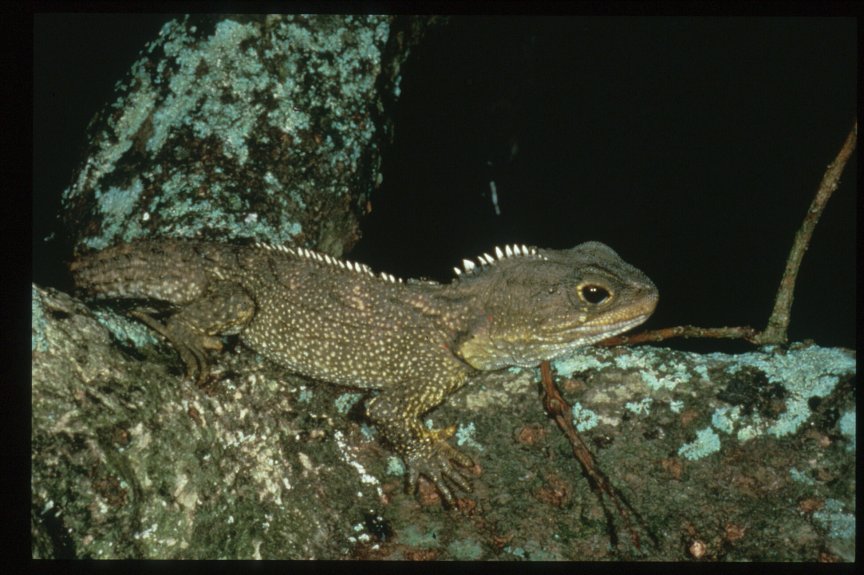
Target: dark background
<point>693,146</point>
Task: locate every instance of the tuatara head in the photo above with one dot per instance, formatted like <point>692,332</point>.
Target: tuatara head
<point>536,304</point>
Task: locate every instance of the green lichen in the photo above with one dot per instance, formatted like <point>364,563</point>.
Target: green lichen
<point>641,407</point>
<point>832,518</point>
<point>414,537</point>
<point>395,466</point>
<point>532,551</point>
<point>117,207</point>
<point>257,120</point>
<point>515,551</point>
<point>800,477</point>
<point>583,418</point>
<point>804,373</point>
<point>125,329</point>
<point>305,395</point>
<point>465,436</point>
<point>582,362</point>
<point>201,110</point>
<point>665,376</point>
<point>706,443</point>
<point>368,432</point>
<point>754,428</point>
<point>346,401</point>
<point>723,418</point>
<point>465,550</point>
<point>38,339</point>
<point>847,428</point>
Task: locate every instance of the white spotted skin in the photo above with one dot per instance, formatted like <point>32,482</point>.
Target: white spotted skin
<point>347,330</point>
<point>339,322</point>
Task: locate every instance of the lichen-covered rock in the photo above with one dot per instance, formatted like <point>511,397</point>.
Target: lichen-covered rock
<point>748,457</point>
<point>265,127</point>
<point>130,461</point>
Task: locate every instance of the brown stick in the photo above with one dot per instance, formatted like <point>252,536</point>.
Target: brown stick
<point>558,407</point>
<point>778,323</point>
<point>686,331</point>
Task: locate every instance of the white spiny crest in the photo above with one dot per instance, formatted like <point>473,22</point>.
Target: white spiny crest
<point>329,260</point>
<point>484,259</point>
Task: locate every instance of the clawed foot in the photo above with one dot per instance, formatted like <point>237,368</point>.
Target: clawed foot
<point>189,344</point>
<point>440,463</point>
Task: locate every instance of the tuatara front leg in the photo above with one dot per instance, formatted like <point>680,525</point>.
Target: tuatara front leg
<point>397,411</point>
<point>223,308</point>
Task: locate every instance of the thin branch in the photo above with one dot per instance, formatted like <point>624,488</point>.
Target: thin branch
<point>778,323</point>
<point>559,409</point>
<point>685,331</point>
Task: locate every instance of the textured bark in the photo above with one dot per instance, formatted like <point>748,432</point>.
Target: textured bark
<point>265,127</point>
<point>749,457</point>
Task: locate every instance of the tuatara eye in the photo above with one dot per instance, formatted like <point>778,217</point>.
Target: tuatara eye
<point>594,294</point>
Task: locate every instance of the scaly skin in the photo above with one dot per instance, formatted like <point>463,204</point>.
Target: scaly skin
<point>416,341</point>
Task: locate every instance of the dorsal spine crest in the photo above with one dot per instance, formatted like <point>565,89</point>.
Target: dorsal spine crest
<point>484,260</point>
<point>329,260</point>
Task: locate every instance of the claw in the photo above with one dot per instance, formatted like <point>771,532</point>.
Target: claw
<point>445,491</point>
<point>460,480</point>
<point>443,465</point>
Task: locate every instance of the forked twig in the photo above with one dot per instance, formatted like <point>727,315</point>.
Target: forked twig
<point>778,323</point>
<point>558,407</point>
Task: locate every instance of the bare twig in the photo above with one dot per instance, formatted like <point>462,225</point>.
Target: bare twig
<point>686,331</point>
<point>558,407</point>
<point>778,323</point>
